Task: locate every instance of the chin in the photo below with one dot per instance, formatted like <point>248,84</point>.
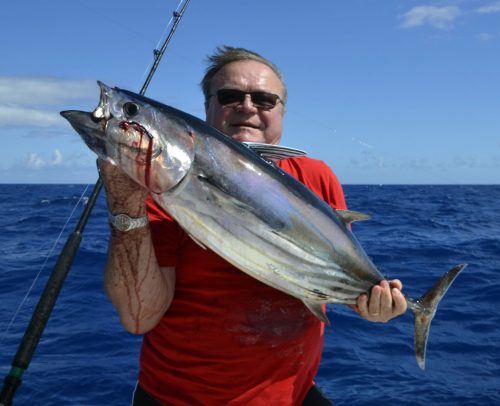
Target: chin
<point>247,138</point>
<point>245,134</point>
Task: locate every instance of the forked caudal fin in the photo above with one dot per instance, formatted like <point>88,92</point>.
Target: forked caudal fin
<point>425,308</point>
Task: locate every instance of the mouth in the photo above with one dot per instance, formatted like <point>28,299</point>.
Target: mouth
<point>105,130</point>
<point>102,110</point>
<point>91,124</point>
<point>245,125</point>
<point>90,129</point>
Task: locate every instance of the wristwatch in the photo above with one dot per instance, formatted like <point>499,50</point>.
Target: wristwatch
<point>122,222</point>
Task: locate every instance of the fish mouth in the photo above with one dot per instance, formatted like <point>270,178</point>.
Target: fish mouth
<point>102,110</point>
<point>93,123</point>
<point>90,129</point>
<point>83,121</point>
<point>105,112</point>
<point>92,126</point>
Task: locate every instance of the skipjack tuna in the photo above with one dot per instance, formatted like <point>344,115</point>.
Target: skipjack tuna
<point>230,197</point>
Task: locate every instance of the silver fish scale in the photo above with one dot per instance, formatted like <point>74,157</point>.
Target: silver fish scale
<point>271,235</point>
<point>244,208</point>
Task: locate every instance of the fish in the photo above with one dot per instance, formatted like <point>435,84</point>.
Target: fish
<point>232,198</point>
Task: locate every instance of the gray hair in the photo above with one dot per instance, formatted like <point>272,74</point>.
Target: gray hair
<point>226,54</point>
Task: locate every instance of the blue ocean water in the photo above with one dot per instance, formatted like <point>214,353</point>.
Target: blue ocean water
<point>416,234</point>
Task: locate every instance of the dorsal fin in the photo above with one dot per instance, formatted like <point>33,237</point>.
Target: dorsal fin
<point>274,152</point>
<point>348,216</point>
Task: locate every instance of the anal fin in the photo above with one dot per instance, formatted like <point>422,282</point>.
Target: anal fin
<point>317,309</point>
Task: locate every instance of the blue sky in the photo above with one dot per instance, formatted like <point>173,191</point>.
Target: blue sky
<point>392,91</point>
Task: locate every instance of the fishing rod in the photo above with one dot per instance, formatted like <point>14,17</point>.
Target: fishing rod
<point>61,269</point>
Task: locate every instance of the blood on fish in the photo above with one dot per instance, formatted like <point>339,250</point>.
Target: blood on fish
<point>125,126</point>
<point>147,170</point>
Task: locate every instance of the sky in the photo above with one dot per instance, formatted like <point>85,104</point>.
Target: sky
<point>385,92</point>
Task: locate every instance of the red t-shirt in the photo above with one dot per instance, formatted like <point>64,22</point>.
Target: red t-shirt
<point>228,339</point>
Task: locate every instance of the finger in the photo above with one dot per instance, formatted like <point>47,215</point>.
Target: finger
<point>396,283</point>
<point>386,300</point>
<point>362,304</point>
<point>400,304</point>
<point>374,302</point>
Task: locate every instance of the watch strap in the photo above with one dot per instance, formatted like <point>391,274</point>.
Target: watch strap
<point>123,222</point>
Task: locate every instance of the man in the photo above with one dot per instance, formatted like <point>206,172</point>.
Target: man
<point>214,335</point>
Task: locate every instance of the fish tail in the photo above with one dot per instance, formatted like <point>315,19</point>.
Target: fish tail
<point>425,308</point>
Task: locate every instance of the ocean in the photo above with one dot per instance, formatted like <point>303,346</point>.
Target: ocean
<point>416,233</point>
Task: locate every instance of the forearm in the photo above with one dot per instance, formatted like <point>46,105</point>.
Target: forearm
<point>139,289</point>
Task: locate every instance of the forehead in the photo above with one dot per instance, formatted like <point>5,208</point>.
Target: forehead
<point>247,75</point>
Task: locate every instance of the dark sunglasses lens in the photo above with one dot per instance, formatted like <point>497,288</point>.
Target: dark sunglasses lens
<point>264,100</point>
<point>230,96</point>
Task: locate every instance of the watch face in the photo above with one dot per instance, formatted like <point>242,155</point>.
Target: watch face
<point>122,222</point>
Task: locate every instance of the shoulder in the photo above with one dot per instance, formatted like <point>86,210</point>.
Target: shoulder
<point>309,169</point>
<point>317,176</point>
<point>304,162</point>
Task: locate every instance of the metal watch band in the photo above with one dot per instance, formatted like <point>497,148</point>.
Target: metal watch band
<point>123,222</point>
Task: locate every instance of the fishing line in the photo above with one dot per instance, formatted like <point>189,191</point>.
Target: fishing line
<point>160,41</point>
<point>42,267</point>
<point>115,21</point>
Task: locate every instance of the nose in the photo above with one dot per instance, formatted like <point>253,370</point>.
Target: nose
<point>246,104</point>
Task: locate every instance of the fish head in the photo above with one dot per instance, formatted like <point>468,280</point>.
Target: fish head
<point>137,135</point>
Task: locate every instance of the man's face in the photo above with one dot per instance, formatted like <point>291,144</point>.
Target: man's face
<point>244,121</point>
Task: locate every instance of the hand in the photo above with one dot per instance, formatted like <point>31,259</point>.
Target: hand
<point>124,195</point>
<point>386,302</point>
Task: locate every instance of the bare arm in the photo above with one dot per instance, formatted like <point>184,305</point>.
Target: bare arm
<point>139,289</point>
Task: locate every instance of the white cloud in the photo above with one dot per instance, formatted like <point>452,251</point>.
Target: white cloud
<point>21,99</point>
<point>437,17</point>
<point>36,161</point>
<point>58,166</point>
<point>490,8</point>
<point>484,37</point>
<point>57,158</point>
<point>13,116</point>
<point>44,91</point>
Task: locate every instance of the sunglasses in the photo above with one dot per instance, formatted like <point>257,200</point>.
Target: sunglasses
<point>235,97</point>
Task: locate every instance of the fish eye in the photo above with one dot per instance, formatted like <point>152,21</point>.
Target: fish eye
<point>130,109</point>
